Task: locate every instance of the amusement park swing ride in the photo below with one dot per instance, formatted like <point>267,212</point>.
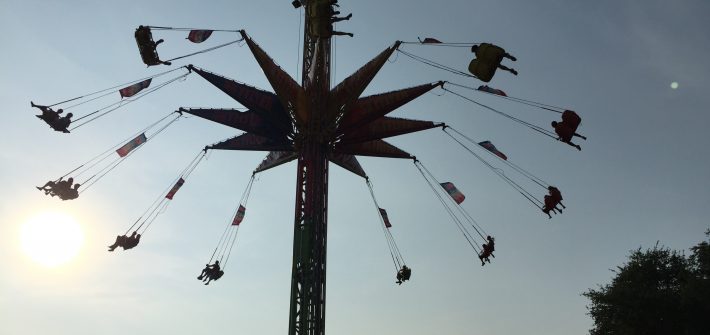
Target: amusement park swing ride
<point>313,123</point>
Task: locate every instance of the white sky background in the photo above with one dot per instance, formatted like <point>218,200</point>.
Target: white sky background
<point>641,177</point>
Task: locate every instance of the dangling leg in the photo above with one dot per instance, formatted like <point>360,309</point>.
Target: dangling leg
<point>46,186</point>
<point>503,67</point>
<point>574,145</point>
<point>509,56</point>
<point>342,33</point>
<point>578,135</point>
<point>117,243</point>
<point>44,109</point>
<point>203,273</point>
<point>338,19</point>
<point>159,41</point>
<point>546,211</point>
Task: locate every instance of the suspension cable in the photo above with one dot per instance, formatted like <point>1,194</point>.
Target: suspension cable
<point>443,44</point>
<point>243,202</point>
<point>206,50</point>
<point>101,173</point>
<point>161,197</point>
<point>435,64</point>
<point>395,254</point>
<point>122,102</point>
<point>471,241</point>
<point>113,88</point>
<point>501,174</point>
<point>512,165</point>
<point>106,154</point>
<point>189,29</point>
<point>527,124</point>
<point>473,223</point>
<point>540,105</point>
<point>184,175</point>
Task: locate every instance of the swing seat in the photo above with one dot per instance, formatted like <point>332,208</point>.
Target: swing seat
<point>59,124</point>
<point>550,204</point>
<point>146,46</point>
<point>319,15</point>
<point>406,274</point>
<point>321,28</point>
<point>483,70</point>
<point>490,53</point>
<point>217,275</point>
<point>70,194</point>
<point>571,120</point>
<point>564,132</point>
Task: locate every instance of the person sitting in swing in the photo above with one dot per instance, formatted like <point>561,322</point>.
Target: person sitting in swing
<point>120,242</point>
<point>132,241</point>
<point>147,47</point>
<point>491,244</point>
<point>65,191</point>
<point>556,195</point>
<point>565,134</point>
<point>50,185</point>
<point>217,274</point>
<point>70,193</point>
<point>55,188</point>
<point>209,271</point>
<point>125,242</point>
<point>550,205</point>
<point>403,274</point>
<point>323,18</point>
<point>334,18</point>
<point>568,128</point>
<point>63,123</point>
<point>53,118</point>
<point>492,55</point>
<point>485,253</point>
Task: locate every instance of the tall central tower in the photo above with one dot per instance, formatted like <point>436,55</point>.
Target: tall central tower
<point>315,125</point>
<point>311,213</point>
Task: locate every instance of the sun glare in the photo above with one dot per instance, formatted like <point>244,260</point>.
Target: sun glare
<point>51,239</point>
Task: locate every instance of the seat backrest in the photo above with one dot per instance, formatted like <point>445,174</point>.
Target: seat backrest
<point>482,70</point>
<point>571,119</point>
<point>490,53</point>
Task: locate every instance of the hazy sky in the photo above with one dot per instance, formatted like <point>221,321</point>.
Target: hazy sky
<point>641,177</point>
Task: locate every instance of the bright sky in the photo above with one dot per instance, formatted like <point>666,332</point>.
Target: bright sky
<point>641,177</point>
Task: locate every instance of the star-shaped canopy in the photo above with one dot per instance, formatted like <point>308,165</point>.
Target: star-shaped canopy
<point>350,125</point>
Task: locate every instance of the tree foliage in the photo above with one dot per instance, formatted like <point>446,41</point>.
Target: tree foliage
<point>658,291</point>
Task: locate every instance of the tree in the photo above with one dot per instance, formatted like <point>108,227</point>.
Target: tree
<point>658,291</point>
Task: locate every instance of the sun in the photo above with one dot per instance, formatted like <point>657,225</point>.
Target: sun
<point>51,239</point>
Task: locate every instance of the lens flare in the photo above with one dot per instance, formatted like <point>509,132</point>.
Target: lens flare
<point>51,239</point>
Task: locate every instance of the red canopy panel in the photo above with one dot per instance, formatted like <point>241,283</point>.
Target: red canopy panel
<point>347,162</point>
<point>289,92</point>
<point>252,142</point>
<point>248,121</point>
<point>274,159</point>
<point>263,102</point>
<point>386,127</point>
<point>373,107</point>
<point>376,148</point>
<point>344,96</point>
